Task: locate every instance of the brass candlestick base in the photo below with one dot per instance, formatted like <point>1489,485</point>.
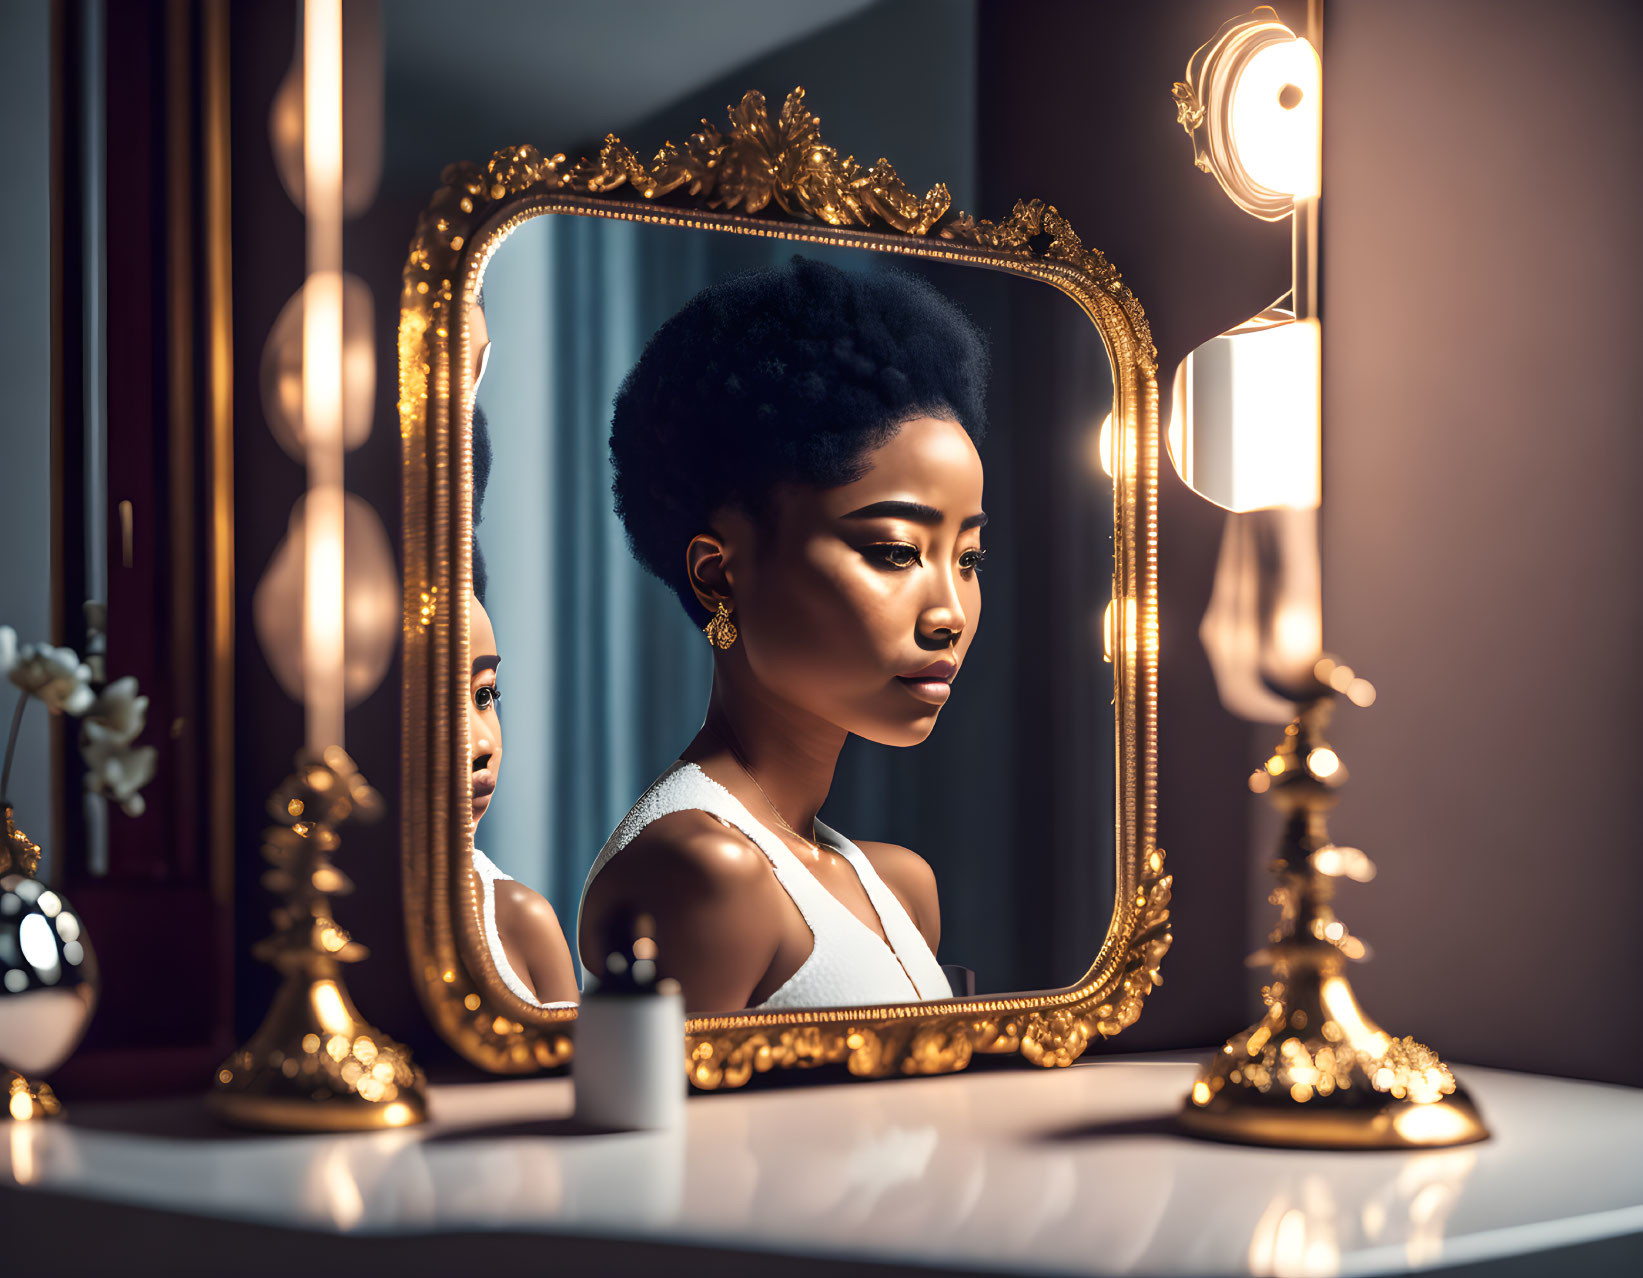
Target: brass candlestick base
<point>315,1064</point>
<point>1316,1072</point>
<point>25,1099</point>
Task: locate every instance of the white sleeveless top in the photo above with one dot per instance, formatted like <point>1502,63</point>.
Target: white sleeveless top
<point>489,872</point>
<point>849,963</point>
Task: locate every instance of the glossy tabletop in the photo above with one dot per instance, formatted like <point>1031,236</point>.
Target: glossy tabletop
<point>1064,1171</point>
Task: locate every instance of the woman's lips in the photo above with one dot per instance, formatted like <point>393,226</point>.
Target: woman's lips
<point>483,786</point>
<point>935,691</point>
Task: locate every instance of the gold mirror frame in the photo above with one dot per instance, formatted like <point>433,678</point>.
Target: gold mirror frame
<point>789,185</point>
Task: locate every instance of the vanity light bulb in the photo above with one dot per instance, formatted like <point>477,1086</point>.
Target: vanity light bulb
<point>281,372</point>
<point>1297,632</point>
<point>1245,422</point>
<point>370,600</point>
<point>1276,118</point>
<point>1106,450</point>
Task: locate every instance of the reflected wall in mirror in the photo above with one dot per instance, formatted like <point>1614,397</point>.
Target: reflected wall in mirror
<point>831,856</point>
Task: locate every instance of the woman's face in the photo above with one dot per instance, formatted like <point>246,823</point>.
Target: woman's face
<point>868,583</point>
<point>484,727</point>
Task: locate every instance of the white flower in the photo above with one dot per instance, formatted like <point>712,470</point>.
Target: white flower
<point>114,767</point>
<point>8,649</point>
<point>120,711</point>
<point>56,675</point>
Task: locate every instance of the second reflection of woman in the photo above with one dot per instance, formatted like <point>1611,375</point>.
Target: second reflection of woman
<point>795,457</point>
<point>526,941</point>
<point>522,932</point>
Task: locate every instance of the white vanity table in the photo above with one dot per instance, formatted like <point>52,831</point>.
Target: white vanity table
<point>1071,1171</point>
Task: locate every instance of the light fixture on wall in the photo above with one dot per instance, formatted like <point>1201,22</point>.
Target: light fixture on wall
<point>327,613</point>
<point>1245,433</point>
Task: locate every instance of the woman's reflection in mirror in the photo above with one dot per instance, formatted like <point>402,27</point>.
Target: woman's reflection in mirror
<point>526,941</point>
<point>795,457</point>
<point>523,933</point>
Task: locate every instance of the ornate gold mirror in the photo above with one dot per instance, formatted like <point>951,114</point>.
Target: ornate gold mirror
<point>532,288</point>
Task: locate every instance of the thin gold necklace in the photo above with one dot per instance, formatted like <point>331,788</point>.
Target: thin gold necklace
<point>742,764</point>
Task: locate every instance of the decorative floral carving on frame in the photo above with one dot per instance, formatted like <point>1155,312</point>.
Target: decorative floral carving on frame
<point>728,1055</point>
<point>758,162</point>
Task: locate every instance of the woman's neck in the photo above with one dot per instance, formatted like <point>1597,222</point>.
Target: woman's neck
<point>790,753</point>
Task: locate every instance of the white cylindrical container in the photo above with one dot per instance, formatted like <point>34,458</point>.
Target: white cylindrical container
<point>629,1065</point>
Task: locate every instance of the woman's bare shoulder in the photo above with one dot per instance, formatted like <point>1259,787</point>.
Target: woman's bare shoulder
<point>689,849</point>
<point>708,890</point>
<point>514,899</point>
<point>910,877</point>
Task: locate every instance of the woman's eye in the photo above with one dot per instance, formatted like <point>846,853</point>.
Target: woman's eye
<point>486,696</point>
<point>971,559</point>
<point>896,554</point>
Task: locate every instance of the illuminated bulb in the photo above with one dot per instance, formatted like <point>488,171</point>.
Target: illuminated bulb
<point>371,605</point>
<point>1341,677</point>
<point>1277,117</point>
<point>1323,763</point>
<point>1360,692</point>
<point>281,374</point>
<point>1103,445</point>
<point>1106,450</point>
<point>1297,631</point>
<point>1109,629</point>
<point>1244,429</point>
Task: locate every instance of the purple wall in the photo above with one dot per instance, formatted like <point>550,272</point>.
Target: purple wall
<point>1482,519</point>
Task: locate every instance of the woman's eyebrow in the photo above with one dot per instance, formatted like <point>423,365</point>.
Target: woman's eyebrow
<point>914,510</point>
<point>482,664</point>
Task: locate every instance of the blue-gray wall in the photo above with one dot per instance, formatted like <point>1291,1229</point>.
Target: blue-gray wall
<point>25,372</point>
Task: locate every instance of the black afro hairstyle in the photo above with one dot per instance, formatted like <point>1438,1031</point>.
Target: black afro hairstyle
<point>788,375</point>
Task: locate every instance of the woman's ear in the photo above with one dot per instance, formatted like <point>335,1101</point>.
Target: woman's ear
<point>714,555</point>
<point>707,569</point>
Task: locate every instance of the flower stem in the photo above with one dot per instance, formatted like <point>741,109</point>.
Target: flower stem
<point>11,746</point>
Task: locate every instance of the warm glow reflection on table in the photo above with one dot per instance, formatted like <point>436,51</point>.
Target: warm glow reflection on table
<point>1064,1167</point>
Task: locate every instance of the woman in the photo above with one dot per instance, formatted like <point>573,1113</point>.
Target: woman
<point>522,931</point>
<point>795,456</point>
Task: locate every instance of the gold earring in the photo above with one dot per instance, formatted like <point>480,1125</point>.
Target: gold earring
<point>720,629</point>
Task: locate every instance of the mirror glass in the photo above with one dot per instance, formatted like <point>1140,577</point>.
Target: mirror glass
<point>989,818</point>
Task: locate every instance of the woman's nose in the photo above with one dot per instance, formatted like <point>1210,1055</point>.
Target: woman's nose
<point>945,615</point>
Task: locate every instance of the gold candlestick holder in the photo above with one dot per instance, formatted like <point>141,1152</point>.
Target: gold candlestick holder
<point>315,1064</point>
<point>1315,1071</point>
